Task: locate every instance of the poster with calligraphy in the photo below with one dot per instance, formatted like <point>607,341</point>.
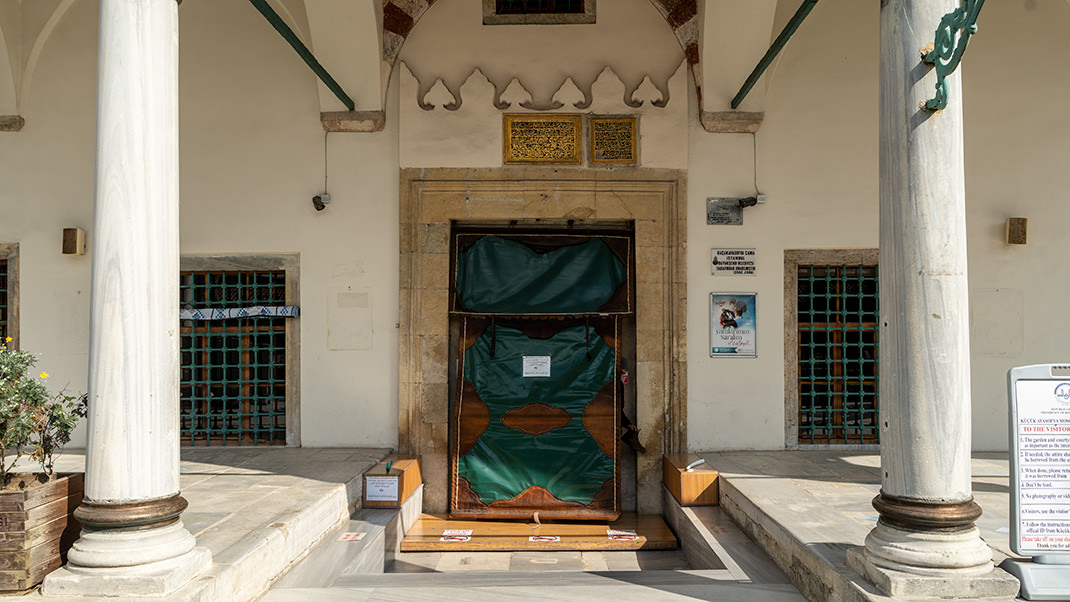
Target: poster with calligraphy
<point>543,139</point>
<point>614,140</point>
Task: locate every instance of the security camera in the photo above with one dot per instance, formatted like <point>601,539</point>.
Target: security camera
<point>320,201</point>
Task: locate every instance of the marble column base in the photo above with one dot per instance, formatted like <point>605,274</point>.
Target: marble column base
<point>932,553</point>
<point>996,584</point>
<point>149,562</point>
<point>155,579</point>
<point>931,564</point>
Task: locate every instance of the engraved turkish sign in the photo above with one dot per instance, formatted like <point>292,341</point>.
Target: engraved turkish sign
<point>734,262</point>
<point>542,139</point>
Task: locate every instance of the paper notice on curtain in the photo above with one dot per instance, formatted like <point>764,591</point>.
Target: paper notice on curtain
<point>536,366</point>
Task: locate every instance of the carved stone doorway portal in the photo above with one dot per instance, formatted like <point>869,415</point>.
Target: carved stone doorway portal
<point>649,200</point>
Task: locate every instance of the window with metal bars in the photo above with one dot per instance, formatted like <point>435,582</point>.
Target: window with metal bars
<point>837,354</point>
<point>534,7</point>
<point>3,300</point>
<point>233,389</point>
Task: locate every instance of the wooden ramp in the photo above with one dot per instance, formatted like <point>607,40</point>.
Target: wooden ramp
<point>438,533</point>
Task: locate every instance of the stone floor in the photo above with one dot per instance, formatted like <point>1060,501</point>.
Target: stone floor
<point>258,510</point>
<point>808,509</point>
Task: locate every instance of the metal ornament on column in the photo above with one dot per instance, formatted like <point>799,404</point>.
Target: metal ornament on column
<point>134,542</point>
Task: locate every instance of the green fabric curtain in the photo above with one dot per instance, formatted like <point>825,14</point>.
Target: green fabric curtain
<point>498,275</point>
<point>566,461</point>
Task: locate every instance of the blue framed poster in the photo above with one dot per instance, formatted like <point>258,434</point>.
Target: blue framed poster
<point>733,325</point>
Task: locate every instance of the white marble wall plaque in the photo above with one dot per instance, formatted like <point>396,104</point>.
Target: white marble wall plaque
<point>734,262</point>
<point>349,320</point>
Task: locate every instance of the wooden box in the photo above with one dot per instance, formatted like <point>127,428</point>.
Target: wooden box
<point>695,488</point>
<point>389,487</point>
<point>37,529</point>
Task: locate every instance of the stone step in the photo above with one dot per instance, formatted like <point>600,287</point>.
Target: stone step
<point>645,586</point>
<point>339,556</point>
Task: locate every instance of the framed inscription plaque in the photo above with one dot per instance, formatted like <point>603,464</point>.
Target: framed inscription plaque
<point>613,140</point>
<point>545,139</point>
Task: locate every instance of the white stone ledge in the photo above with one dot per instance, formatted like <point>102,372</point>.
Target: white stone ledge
<point>353,121</point>
<point>11,123</point>
<point>731,122</point>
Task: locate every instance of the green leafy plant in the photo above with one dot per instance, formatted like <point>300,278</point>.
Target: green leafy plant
<point>33,421</point>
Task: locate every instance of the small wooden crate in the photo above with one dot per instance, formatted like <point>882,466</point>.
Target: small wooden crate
<point>37,529</point>
<point>695,488</point>
<point>389,488</point>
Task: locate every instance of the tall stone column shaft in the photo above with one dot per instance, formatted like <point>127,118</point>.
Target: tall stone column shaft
<point>133,537</point>
<point>926,505</point>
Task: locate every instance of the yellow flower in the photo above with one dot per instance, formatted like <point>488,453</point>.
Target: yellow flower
<point>7,340</point>
<point>44,375</point>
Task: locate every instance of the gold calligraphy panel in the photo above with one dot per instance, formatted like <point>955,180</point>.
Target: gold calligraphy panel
<point>613,140</point>
<point>543,139</point>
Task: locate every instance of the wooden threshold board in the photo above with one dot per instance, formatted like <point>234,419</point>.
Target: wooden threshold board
<point>427,535</point>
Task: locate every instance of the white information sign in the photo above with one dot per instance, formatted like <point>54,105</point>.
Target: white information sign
<point>1040,480</point>
<point>1041,466</point>
<point>381,489</point>
<point>536,366</point>
<point>734,262</point>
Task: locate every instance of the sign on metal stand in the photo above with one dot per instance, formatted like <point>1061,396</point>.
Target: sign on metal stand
<point>1040,480</point>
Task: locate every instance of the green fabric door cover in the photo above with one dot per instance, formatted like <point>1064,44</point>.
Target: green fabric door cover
<point>571,279</point>
<point>565,461</point>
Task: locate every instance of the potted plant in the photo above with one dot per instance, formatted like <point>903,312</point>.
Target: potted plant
<point>36,528</point>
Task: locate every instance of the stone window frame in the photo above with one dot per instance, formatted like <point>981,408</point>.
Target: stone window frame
<point>289,263</point>
<point>793,258</point>
<point>10,253</point>
<point>491,16</point>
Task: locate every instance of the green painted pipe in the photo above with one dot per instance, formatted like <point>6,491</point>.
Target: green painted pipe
<point>302,50</point>
<point>774,50</point>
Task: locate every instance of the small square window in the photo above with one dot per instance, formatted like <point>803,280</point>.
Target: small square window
<point>535,7</point>
<point>538,12</point>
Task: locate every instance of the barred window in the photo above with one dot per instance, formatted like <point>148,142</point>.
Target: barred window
<point>4,303</point>
<point>837,340</point>
<point>233,388</point>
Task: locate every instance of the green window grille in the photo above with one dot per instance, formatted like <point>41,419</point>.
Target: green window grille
<point>3,300</point>
<point>837,371</point>
<point>233,386</point>
<point>535,7</point>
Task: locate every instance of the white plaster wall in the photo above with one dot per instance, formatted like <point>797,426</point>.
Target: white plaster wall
<point>1017,132</point>
<point>818,166</point>
<point>252,156</point>
<point>252,152</point>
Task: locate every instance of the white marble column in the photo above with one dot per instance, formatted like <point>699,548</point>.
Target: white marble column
<point>926,506</point>
<point>133,540</point>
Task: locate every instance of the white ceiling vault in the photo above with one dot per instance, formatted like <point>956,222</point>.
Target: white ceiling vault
<point>359,41</point>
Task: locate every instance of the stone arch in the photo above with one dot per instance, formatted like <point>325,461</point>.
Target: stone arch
<point>400,16</point>
<point>34,55</point>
